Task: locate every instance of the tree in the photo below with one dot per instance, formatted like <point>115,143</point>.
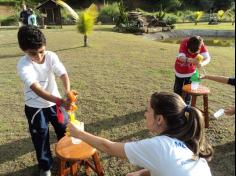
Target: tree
<point>68,8</point>
<point>86,21</point>
<point>231,13</point>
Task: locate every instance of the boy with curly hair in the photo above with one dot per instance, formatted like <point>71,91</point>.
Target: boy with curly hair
<point>37,70</point>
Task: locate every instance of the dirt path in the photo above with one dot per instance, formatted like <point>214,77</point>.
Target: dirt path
<point>6,10</point>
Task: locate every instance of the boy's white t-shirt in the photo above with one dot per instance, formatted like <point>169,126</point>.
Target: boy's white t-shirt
<point>165,156</point>
<point>30,72</point>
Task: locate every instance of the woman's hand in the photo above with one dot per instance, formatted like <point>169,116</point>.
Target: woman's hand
<point>203,76</point>
<point>230,111</point>
<point>73,130</point>
<point>142,172</point>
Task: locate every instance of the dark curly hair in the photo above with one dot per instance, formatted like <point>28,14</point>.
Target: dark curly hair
<point>30,37</point>
<point>194,43</point>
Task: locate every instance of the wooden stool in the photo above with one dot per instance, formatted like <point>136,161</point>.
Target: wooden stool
<point>76,155</point>
<point>201,91</point>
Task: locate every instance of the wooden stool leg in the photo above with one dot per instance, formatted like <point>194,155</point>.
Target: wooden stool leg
<point>73,168</point>
<point>87,170</point>
<point>206,114</point>
<point>194,100</point>
<point>97,164</point>
<point>62,170</point>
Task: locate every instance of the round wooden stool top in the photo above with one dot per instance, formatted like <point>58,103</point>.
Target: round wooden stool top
<point>65,149</point>
<point>201,90</point>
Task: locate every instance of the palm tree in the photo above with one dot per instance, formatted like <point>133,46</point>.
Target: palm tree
<point>231,13</point>
<point>197,16</point>
<point>86,21</point>
<point>220,15</point>
<point>67,7</point>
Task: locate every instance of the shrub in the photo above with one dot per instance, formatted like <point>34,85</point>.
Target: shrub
<point>109,13</point>
<point>66,18</point>
<point>184,15</point>
<point>160,15</point>
<point>9,21</point>
<point>171,20</point>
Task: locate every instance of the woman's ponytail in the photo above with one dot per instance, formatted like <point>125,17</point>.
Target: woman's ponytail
<point>184,122</point>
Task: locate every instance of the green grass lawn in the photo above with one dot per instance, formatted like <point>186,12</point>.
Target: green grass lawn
<point>204,25</point>
<point>114,76</point>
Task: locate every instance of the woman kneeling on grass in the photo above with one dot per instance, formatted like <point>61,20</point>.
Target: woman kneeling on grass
<point>180,148</point>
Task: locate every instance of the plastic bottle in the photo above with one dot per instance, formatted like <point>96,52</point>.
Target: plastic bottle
<point>72,118</point>
<point>219,113</point>
<point>76,123</point>
<point>195,80</point>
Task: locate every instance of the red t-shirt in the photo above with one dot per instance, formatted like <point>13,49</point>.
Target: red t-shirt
<point>186,68</point>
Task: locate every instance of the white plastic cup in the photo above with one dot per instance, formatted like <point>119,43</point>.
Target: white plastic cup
<point>194,85</point>
<point>76,140</point>
<point>219,113</point>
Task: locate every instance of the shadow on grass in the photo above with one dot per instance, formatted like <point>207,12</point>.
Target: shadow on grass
<point>29,171</point>
<point>223,161</point>
<point>32,170</point>
<point>114,122</point>
<point>4,45</point>
<point>138,136</point>
<point>65,49</point>
<point>10,55</point>
<point>12,150</point>
<point>104,29</point>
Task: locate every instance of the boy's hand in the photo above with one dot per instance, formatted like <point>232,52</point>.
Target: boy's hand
<point>183,58</point>
<point>72,96</point>
<point>199,65</point>
<point>193,61</point>
<point>66,103</point>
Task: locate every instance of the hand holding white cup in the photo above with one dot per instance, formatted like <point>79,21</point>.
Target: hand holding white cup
<point>73,128</point>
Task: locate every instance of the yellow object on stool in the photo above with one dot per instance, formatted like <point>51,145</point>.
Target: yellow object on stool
<point>77,155</point>
<point>200,91</point>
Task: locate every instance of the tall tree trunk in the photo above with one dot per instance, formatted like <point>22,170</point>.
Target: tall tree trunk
<point>85,40</point>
